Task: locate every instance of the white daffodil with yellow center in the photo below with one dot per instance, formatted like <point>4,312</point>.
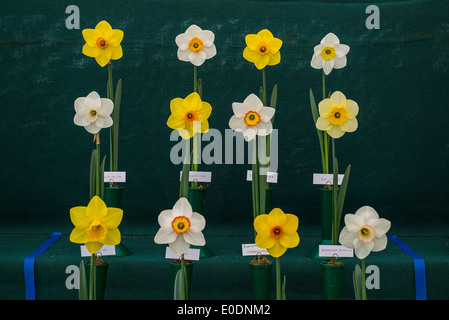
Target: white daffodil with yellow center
<point>196,45</point>
<point>180,227</point>
<point>93,113</point>
<point>337,115</point>
<point>365,232</point>
<point>251,118</point>
<point>329,54</point>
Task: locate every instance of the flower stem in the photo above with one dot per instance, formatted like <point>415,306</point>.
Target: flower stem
<point>93,265</point>
<point>97,167</point>
<point>363,280</point>
<point>111,130</point>
<point>278,279</point>
<point>334,196</point>
<point>264,87</point>
<point>325,135</point>
<point>195,79</point>
<point>184,279</point>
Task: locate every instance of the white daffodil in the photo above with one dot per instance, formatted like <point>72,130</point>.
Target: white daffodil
<point>337,115</point>
<point>180,227</point>
<point>365,232</point>
<point>329,54</point>
<point>251,118</point>
<point>196,45</point>
<point>93,113</point>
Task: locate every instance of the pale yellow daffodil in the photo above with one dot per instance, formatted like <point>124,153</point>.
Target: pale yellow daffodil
<point>189,115</point>
<point>262,49</point>
<point>103,43</point>
<point>276,232</point>
<point>96,225</point>
<point>337,115</point>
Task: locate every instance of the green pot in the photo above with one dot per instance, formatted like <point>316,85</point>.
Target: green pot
<point>196,200</point>
<point>332,280</point>
<point>101,272</point>
<point>326,222</point>
<point>261,280</point>
<point>113,196</point>
<point>175,267</point>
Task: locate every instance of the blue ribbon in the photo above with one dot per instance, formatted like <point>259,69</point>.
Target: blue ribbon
<point>30,290</point>
<point>420,268</point>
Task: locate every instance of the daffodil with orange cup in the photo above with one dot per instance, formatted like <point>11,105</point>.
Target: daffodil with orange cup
<point>276,232</point>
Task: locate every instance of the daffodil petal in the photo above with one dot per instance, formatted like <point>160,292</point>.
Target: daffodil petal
<point>264,128</point>
<point>380,243</point>
<point>253,101</point>
<point>96,209</point>
<point>182,207</point>
<point>207,37</point>
<point>267,113</point>
<point>182,41</point>
<point>261,61</point>
<point>179,246</point>
<point>324,107</point>
<point>113,218</point>
<point>194,238</point>
<point>103,57</point>
<point>291,225</point>
<point>249,54</point>
<point>252,41</point>
<point>176,123</point>
<point>289,241</point>
<point>347,237</point>
<point>330,39</point>
<point>275,45</point>
<point>265,242</point>
<point>265,34</point>
<point>79,235</point>
<point>104,27</point>
<point>328,65</point>
<point>116,52</point>
<point>276,217</point>
<point>349,125</point>
<point>78,216</point>
<point>261,225</point>
<point>113,237</point>
<point>362,250</point>
<point>335,132</point>
<point>338,98</point>
<point>91,51</point>
<point>277,250</point>
<point>367,213</point>
<point>236,123</point>
<point>274,58</point>
<point>380,225</point>
<point>341,50</point>
<point>353,222</point>
<point>210,51</point>
<point>340,62</point>
<point>193,102</point>
<point>198,223</point>
<point>183,55</point>
<point>352,107</point>
<point>91,36</point>
<point>177,108</point>
<point>165,235</point>
<point>93,247</point>
<point>249,134</point>
<point>323,124</point>
<point>114,37</point>
<point>204,112</point>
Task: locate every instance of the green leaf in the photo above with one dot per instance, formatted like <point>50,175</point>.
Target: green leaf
<point>102,178</point>
<point>200,88</point>
<point>114,131</point>
<point>83,291</point>
<point>357,280</point>
<point>321,134</point>
<point>180,290</point>
<point>342,194</point>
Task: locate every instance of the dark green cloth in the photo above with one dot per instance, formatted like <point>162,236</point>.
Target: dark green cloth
<point>399,154</point>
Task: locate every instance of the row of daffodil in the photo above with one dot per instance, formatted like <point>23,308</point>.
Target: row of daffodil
<point>96,225</point>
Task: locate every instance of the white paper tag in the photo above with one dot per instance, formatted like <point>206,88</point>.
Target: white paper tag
<point>253,250</point>
<point>321,178</point>
<point>191,254</point>
<point>198,176</point>
<point>272,177</point>
<point>114,176</point>
<point>106,250</point>
<point>339,251</point>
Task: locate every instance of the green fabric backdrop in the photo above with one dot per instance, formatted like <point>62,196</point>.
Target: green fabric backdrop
<point>397,74</point>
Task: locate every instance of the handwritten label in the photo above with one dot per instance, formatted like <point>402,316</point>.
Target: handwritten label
<point>253,250</point>
<point>191,254</point>
<point>105,250</point>
<point>272,177</point>
<point>339,251</point>
<point>198,176</point>
<point>114,176</point>
<point>321,178</point>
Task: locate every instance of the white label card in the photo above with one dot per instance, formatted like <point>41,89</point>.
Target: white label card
<point>114,176</point>
<point>272,177</point>
<point>253,250</point>
<point>191,254</point>
<point>339,251</point>
<point>106,250</point>
<point>321,178</point>
<point>198,176</point>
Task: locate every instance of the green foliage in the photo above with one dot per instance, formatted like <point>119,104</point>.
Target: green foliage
<point>83,287</point>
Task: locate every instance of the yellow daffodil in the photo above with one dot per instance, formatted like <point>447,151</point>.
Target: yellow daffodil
<point>262,49</point>
<point>189,115</point>
<point>103,43</point>
<point>276,232</point>
<point>95,225</point>
<point>337,115</point>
